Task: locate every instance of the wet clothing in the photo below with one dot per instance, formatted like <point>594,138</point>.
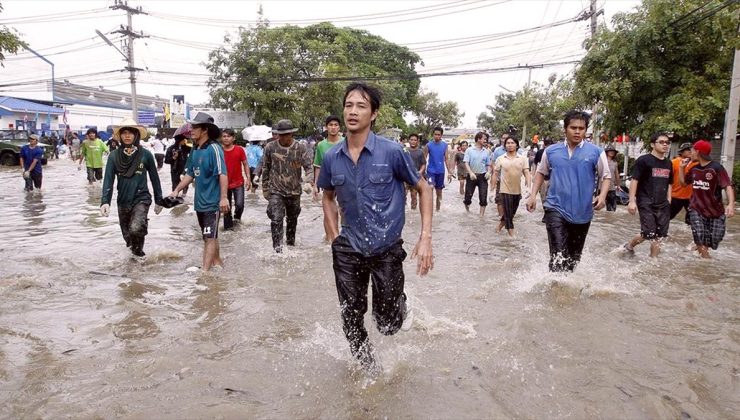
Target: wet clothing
<point>281,168</point>
<point>436,152</point>
<point>283,207</point>
<point>510,202</point>
<point>208,222</point>
<point>566,240</point>
<point>254,155</point>
<point>573,176</point>
<point>677,204</point>
<point>654,221</point>
<point>206,165</point>
<point>417,156</point>
<point>613,170</point>
<point>682,192</point>
<point>482,184</point>
<point>234,159</point>
<point>462,171</point>
<point>653,178</point>
<point>707,183</point>
<point>353,272</point>
<point>611,201</point>
<point>34,180</point>
<point>93,151</point>
<point>707,231</point>
<point>177,156</point>
<point>28,154</point>
<point>371,193</point>
<point>510,171</point>
<point>134,189</point>
<point>321,148</point>
<point>479,160</point>
<point>134,223</point>
<point>235,197</point>
<point>436,180</point>
<point>94,174</point>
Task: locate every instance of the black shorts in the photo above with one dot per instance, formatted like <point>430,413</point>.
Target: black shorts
<point>654,221</point>
<point>208,221</point>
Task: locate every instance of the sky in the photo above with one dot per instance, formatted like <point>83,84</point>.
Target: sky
<point>451,35</point>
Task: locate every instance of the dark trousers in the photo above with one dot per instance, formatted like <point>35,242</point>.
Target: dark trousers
<point>252,175</point>
<point>175,178</point>
<point>680,203</point>
<point>237,194</point>
<point>482,184</point>
<point>94,174</point>
<point>279,208</point>
<point>352,273</point>
<point>134,224</point>
<point>159,157</point>
<point>566,241</point>
<point>611,200</point>
<point>510,202</point>
<point>34,180</point>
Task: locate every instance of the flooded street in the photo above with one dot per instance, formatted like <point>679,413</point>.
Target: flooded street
<point>86,332</point>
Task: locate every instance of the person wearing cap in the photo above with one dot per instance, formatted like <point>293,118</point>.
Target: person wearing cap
<point>206,167</point>
<point>614,185</point>
<point>574,167</point>
<point>92,151</point>
<point>176,156</point>
<point>681,194</point>
<point>650,194</point>
<point>236,168</point>
<point>128,167</point>
<point>366,174</point>
<point>706,212</point>
<point>31,156</point>
<point>282,182</point>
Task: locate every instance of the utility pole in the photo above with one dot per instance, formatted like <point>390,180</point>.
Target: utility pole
<point>730,133</point>
<point>594,14</point>
<point>524,131</point>
<point>129,31</point>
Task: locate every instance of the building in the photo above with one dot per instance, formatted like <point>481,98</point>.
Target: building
<point>21,114</point>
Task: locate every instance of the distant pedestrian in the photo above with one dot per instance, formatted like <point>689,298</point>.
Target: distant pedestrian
<point>706,212</point>
<point>333,137</point>
<point>477,161</point>
<point>462,171</point>
<point>615,182</point>
<point>417,156</point>
<point>177,156</point>
<point>650,194</point>
<point>509,170</point>
<point>681,194</point>
<point>574,168</point>
<point>236,169</point>
<point>128,167</point>
<point>438,153</point>
<point>31,156</point>
<point>254,159</point>
<point>75,147</point>
<point>92,151</point>
<point>282,183</point>
<point>158,147</point>
<point>206,167</point>
<point>366,174</point>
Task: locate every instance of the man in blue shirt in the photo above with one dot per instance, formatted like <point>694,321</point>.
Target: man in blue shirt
<point>478,164</point>
<point>31,155</point>
<point>254,158</point>
<point>207,167</point>
<point>366,174</point>
<point>572,166</point>
<point>439,159</point>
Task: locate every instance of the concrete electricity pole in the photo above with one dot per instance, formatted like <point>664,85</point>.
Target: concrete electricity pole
<point>730,133</point>
<point>594,14</point>
<point>129,31</point>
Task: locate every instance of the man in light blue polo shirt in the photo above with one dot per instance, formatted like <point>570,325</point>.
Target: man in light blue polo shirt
<point>366,174</point>
<point>572,166</point>
<point>478,164</point>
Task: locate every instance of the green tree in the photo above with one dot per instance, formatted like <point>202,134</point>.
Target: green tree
<point>9,41</point>
<point>429,112</point>
<point>666,66</point>
<point>292,72</point>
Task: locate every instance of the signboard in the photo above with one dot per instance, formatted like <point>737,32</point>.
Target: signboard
<point>146,117</point>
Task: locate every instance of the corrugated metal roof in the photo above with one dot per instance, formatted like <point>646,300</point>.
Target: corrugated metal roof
<point>21,105</point>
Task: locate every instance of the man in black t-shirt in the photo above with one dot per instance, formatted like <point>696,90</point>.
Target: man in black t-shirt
<point>650,194</point>
<point>417,156</point>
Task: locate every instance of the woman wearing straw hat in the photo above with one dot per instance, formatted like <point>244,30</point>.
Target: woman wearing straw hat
<point>130,164</point>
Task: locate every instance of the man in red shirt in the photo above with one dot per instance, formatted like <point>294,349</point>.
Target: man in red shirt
<point>236,168</point>
<point>706,212</point>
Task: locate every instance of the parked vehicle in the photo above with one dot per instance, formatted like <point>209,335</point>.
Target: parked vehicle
<point>11,142</point>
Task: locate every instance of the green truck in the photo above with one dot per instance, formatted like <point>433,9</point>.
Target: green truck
<point>11,142</point>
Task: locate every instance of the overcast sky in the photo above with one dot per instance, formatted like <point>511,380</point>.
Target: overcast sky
<point>183,32</point>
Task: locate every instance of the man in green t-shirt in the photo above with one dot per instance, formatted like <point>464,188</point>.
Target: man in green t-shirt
<point>332,126</point>
<point>92,150</point>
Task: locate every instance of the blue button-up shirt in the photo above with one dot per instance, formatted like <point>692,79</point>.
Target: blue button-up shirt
<point>478,159</point>
<point>371,193</point>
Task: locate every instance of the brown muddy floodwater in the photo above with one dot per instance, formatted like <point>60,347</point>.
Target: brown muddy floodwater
<point>85,332</point>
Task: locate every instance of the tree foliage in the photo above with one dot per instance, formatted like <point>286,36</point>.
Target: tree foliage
<point>290,72</point>
<point>663,68</point>
<point>541,107</point>
<point>429,112</point>
<point>9,41</point>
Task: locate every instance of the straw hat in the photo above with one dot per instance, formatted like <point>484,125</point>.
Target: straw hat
<point>129,123</point>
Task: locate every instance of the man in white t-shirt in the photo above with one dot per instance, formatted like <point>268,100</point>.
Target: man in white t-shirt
<point>159,148</point>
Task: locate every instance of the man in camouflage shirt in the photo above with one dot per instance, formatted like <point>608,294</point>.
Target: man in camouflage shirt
<point>282,182</point>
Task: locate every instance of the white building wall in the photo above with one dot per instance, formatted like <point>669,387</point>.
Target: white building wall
<point>80,116</point>
<point>6,121</point>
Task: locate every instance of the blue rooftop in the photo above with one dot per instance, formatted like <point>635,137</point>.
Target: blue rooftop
<point>21,105</point>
